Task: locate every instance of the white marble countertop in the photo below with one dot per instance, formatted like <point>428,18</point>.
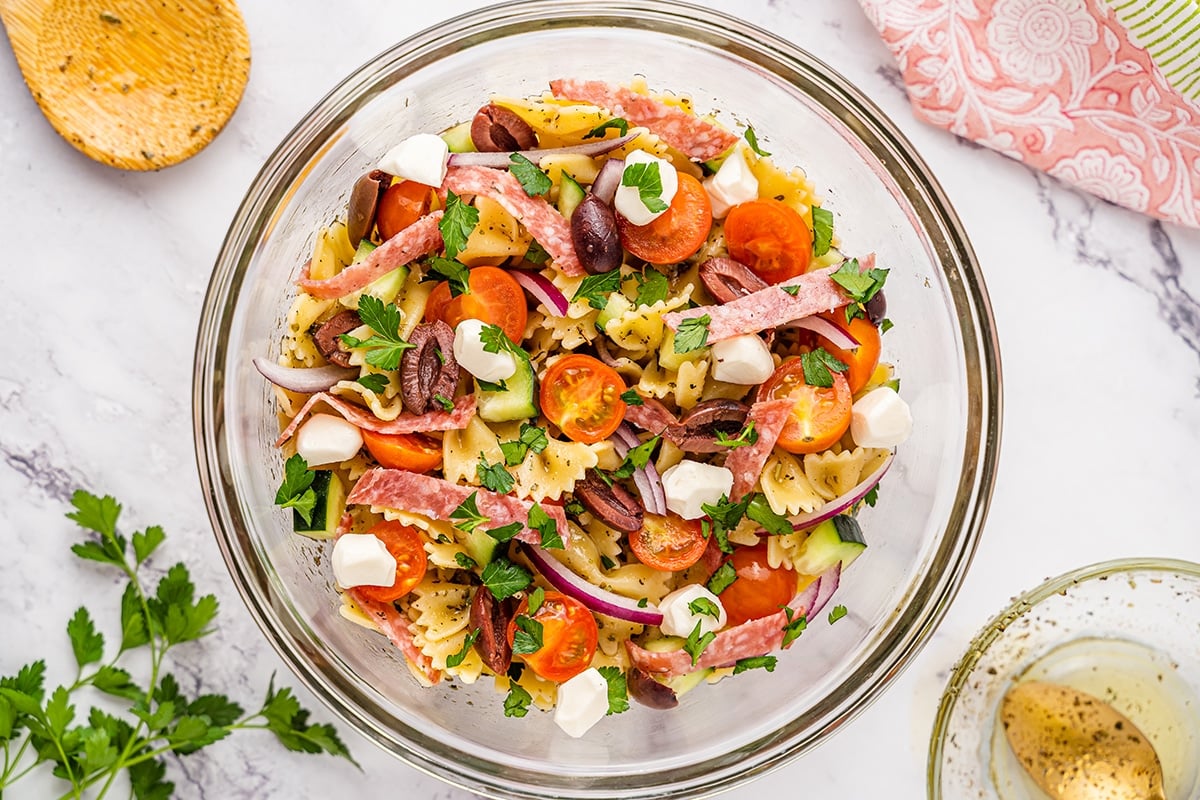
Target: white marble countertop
<point>105,273</point>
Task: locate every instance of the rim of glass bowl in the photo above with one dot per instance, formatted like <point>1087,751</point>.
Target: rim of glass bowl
<point>996,628</point>
<point>929,599</point>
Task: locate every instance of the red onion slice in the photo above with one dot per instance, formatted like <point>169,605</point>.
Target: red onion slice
<point>823,327</point>
<point>503,160</point>
<point>827,584</point>
<point>647,479</point>
<point>307,380</point>
<point>807,599</point>
<point>608,179</point>
<point>599,600</point>
<point>542,290</point>
<point>839,504</point>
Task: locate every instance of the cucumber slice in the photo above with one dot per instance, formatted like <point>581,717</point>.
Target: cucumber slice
<point>385,287</point>
<point>331,504</point>
<point>480,546</point>
<point>518,401</point>
<point>669,359</point>
<point>618,304</point>
<point>458,139</point>
<point>364,249</point>
<point>570,195</point>
<point>834,540</point>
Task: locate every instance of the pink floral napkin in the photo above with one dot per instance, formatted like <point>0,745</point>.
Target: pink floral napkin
<point>1061,85</point>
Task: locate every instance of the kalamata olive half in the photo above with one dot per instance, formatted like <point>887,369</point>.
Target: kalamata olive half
<point>364,199</point>
<point>649,692</point>
<point>496,129</point>
<point>727,279</point>
<point>697,431</point>
<point>877,308</point>
<point>327,341</point>
<point>490,617</point>
<point>594,233</point>
<point>613,505</point>
<point>428,369</point>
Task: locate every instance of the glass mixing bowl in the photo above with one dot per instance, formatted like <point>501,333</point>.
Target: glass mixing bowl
<point>932,505</point>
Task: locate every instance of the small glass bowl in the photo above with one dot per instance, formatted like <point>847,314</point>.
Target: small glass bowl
<point>1126,631</point>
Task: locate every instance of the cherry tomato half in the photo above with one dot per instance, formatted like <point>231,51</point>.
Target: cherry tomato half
<point>582,396</point>
<point>820,416</point>
<point>860,361</point>
<point>569,636</point>
<point>406,546</point>
<point>414,452</point>
<point>402,204</point>
<point>677,233</point>
<point>760,590</point>
<point>495,297</point>
<point>668,543</point>
<point>770,238</point>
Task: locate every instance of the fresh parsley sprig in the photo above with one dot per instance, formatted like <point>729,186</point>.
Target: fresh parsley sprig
<point>89,751</point>
<point>455,273</point>
<point>819,366</point>
<point>653,287</point>
<point>597,132</point>
<point>646,178</point>
<point>535,182</point>
<point>746,437</point>
<point>541,522</point>
<point>692,334</point>
<point>296,490</point>
<point>531,438</point>
<point>822,230</point>
<point>385,348</point>
<point>457,224</point>
<point>752,140</point>
<point>595,289</point>
<point>466,515</point>
<point>860,285</point>
<point>618,690</point>
<point>696,642</point>
<point>635,459</point>
<point>494,476</point>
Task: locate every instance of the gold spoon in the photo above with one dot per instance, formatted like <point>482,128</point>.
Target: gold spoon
<point>135,84</point>
<point>1077,747</point>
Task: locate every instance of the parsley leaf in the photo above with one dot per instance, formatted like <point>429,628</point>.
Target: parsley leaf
<point>535,182</point>
<point>752,140</point>
<point>457,224</point>
<point>494,340</point>
<point>872,496</point>
<point>528,636</point>
<point>859,286</point>
<point>754,662</point>
<point>296,491</point>
<point>692,334</point>
<point>793,289</point>
<point>722,579</point>
<point>724,516</point>
<point>696,643</point>
<point>536,598</point>
<point>632,398</point>
<point>607,562</point>
<point>760,511</point>
<point>488,386</point>
<point>504,578</point>
<point>494,476</point>
<point>516,704</point>
<point>505,533</point>
<point>635,459</point>
<point>454,659</point>
<point>793,628</point>
<point>531,438</point>
<point>818,367</point>
<point>618,692</point>
<point>374,381</point>
<point>536,254</point>
<point>822,230</point>
<point>86,642</point>
<point>702,605</point>
<point>598,131</point>
<point>748,436</point>
<point>646,178</point>
<point>466,516</point>
<point>456,273</point>
<point>653,287</point>
<point>596,288</point>
<point>837,613</point>
<point>541,522</point>
<point>885,326</point>
<point>465,561</point>
<point>386,347</point>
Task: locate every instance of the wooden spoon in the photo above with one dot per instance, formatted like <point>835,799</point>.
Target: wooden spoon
<point>1078,747</point>
<point>135,84</point>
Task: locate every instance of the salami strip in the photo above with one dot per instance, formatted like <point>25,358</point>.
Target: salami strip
<point>746,463</point>
<point>436,498</point>
<point>464,410</point>
<point>689,134</point>
<point>549,227</point>
<point>395,626</point>
<point>651,416</point>
<point>767,308</point>
<point>420,238</point>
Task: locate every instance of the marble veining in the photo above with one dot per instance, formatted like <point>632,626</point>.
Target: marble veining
<point>105,272</point>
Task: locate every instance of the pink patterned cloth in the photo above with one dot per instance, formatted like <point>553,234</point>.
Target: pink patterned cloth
<point>1058,84</point>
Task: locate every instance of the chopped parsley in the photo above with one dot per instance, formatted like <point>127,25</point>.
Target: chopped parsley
<point>516,704</point>
<point>872,496</point>
<point>536,254</point>
<point>646,178</point>
<point>541,522</point>
<point>723,516</point>
<point>454,659</point>
<point>494,476</point>
<point>465,561</point>
<point>385,348</point>
<point>618,692</point>
<point>595,289</point>
<point>536,598</point>
<point>599,131</point>
<point>748,436</point>
<point>635,459</point>
<point>722,579</point>
<point>692,334</point>
<point>531,438</point>
<point>653,287</point>
<point>754,662</point>
<point>296,490</point>
<point>860,286</point>
<point>760,511</point>
<point>505,533</point>
<point>632,398</point>
<point>793,289</point>
<point>488,386</point>
<point>445,402</point>
<point>752,140</point>
<point>535,182</point>
<point>374,381</point>
<point>793,628</point>
<point>822,230</point>
<point>494,340</point>
<point>456,273</point>
<point>607,562</point>
<point>837,613</point>
<point>643,603</point>
<point>702,605</point>
<point>528,636</point>
<point>697,642</point>
<point>885,326</point>
<point>504,578</point>
<point>819,366</point>
<point>574,508</point>
<point>457,224</point>
<point>467,517</point>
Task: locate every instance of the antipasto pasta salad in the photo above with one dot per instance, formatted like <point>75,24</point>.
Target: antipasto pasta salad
<point>586,395</point>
